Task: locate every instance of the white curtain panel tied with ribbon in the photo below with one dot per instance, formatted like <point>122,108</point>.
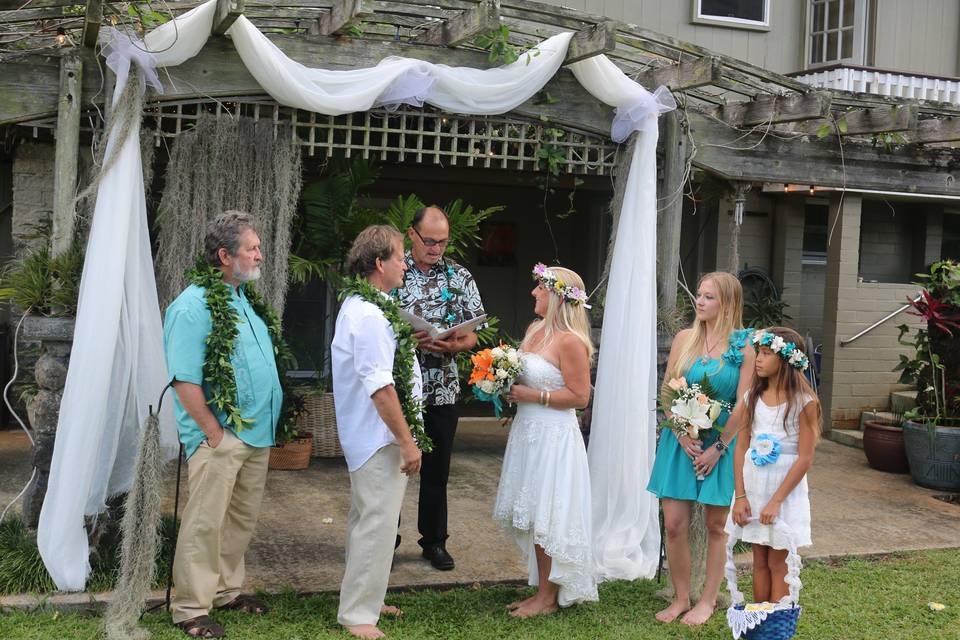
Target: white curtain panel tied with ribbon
<point>118,339</point>
<point>117,367</point>
<point>626,530</point>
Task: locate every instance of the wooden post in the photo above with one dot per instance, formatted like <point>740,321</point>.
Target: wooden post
<point>670,209</point>
<point>67,153</point>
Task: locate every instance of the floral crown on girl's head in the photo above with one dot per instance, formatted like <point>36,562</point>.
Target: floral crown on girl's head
<point>788,351</point>
<point>552,282</point>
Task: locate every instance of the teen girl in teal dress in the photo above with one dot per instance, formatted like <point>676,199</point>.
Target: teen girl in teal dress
<point>714,347</point>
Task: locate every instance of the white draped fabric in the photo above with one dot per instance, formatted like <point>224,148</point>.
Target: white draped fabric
<point>117,344</point>
<point>117,368</point>
<point>626,531</point>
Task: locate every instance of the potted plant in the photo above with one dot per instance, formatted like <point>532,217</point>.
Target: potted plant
<point>883,444</point>
<point>931,430</point>
<point>294,442</point>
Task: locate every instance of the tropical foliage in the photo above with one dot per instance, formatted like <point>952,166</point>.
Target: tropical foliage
<point>935,366</point>
<point>42,283</point>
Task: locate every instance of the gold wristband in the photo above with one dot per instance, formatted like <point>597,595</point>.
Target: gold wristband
<point>740,496</point>
<point>547,403</point>
<point>541,397</point>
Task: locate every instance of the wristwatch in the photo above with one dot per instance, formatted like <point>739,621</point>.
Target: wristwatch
<point>721,447</point>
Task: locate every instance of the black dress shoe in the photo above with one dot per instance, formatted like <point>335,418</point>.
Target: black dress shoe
<point>438,557</point>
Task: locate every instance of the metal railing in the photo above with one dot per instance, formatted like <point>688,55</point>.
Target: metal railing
<point>879,322</point>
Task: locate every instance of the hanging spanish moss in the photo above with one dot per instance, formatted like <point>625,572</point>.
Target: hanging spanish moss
<point>226,163</point>
<point>138,550</point>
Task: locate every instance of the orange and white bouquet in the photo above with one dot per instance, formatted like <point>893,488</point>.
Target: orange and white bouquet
<point>494,371</point>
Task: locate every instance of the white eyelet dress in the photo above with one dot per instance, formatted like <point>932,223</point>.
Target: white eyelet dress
<point>544,492</point>
<point>761,482</point>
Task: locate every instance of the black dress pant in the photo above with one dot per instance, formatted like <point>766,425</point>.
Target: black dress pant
<point>440,423</point>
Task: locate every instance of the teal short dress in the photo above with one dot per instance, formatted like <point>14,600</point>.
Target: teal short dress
<point>673,475</point>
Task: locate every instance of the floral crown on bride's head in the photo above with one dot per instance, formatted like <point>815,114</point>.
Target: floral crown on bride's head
<point>788,351</point>
<point>552,282</point>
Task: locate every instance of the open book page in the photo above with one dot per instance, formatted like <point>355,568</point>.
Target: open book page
<point>419,324</point>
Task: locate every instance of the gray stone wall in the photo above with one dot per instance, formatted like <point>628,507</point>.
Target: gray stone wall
<point>32,192</point>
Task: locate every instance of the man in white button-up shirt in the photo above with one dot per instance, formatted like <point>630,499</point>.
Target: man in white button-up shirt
<point>374,434</point>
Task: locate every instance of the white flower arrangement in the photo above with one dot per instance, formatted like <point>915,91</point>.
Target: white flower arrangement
<point>788,351</point>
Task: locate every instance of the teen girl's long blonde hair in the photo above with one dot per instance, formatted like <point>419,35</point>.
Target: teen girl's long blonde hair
<point>562,316</point>
<point>728,319</point>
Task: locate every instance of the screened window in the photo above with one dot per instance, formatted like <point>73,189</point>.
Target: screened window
<point>747,13</point>
<point>836,31</point>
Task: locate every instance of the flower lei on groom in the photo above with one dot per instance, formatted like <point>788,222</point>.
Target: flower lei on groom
<point>404,357</point>
<point>218,370</point>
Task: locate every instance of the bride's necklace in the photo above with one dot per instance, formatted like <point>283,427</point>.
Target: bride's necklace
<point>705,358</point>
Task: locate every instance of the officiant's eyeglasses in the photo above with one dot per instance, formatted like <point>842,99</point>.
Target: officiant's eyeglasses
<point>430,242</point>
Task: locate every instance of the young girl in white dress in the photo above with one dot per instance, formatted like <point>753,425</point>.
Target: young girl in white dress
<point>543,501</point>
<point>782,414</point>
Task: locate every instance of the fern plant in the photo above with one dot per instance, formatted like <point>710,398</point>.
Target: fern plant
<point>44,284</point>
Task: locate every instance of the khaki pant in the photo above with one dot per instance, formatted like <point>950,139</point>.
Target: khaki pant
<point>376,491</point>
<point>226,489</point>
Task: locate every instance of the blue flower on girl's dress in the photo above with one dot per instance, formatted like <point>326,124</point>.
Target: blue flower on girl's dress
<point>766,450</point>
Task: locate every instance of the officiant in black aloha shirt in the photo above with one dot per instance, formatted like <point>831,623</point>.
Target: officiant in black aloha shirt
<point>443,293</point>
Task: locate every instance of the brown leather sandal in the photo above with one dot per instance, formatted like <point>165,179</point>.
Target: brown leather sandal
<point>247,604</point>
<point>201,627</point>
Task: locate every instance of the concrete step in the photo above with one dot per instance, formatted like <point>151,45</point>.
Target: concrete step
<point>848,437</point>
<point>902,401</point>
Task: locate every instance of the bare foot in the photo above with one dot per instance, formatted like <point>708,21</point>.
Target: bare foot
<point>519,603</point>
<point>535,608</point>
<point>698,615</point>
<point>367,631</point>
<point>390,610</point>
<point>671,613</point>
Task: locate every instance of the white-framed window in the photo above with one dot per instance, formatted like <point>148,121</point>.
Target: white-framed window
<point>836,31</point>
<point>745,14</point>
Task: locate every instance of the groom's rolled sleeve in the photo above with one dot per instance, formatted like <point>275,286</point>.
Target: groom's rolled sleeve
<point>373,351</point>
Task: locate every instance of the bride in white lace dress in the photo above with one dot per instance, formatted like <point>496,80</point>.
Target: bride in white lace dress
<point>543,501</point>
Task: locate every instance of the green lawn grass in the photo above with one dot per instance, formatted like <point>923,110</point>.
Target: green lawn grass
<point>880,598</point>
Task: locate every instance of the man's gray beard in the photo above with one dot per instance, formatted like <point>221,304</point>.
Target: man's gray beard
<point>247,276</point>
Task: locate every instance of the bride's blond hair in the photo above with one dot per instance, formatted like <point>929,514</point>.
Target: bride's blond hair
<point>563,316</point>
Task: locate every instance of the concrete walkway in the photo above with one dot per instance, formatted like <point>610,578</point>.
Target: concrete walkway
<point>856,510</point>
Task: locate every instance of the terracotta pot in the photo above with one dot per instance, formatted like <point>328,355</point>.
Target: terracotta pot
<point>934,455</point>
<point>883,444</point>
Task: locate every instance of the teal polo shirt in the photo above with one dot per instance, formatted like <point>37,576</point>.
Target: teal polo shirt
<point>185,329</point>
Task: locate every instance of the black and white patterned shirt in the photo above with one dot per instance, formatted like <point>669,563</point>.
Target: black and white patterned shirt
<point>444,296</point>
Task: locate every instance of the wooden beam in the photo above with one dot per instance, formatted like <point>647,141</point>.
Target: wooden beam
<point>774,109</point>
<point>586,43</point>
<point>66,154</point>
<point>670,209</point>
<point>755,157</point>
<point>343,15</point>
<point>467,25</point>
<point>92,18</point>
<point>685,75</point>
<point>935,130</point>
<point>227,13</point>
<point>29,84</point>
<point>860,122</point>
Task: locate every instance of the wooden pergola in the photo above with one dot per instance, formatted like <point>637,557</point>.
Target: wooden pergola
<point>737,121</point>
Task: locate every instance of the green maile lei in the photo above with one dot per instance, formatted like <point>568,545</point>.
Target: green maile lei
<point>404,358</point>
<point>218,370</point>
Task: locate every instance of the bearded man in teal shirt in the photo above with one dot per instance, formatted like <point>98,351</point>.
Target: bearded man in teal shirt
<point>227,466</point>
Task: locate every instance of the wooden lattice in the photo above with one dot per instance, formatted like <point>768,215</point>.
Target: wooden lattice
<point>411,135</point>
